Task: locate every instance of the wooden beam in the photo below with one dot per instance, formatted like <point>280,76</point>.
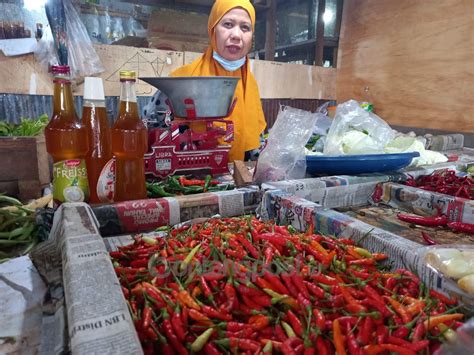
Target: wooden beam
<point>270,30</point>
<point>318,56</point>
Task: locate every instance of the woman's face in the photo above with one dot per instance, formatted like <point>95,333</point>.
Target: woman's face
<point>234,34</point>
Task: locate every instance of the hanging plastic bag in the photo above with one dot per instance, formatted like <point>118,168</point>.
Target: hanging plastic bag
<point>284,154</point>
<point>135,29</point>
<point>83,58</point>
<point>91,21</point>
<point>106,27</point>
<point>356,131</point>
<point>45,52</point>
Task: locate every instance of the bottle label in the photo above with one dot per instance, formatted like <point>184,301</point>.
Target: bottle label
<point>70,181</point>
<point>367,106</point>
<point>106,182</point>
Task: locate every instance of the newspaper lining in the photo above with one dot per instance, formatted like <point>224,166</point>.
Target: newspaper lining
<point>75,259</point>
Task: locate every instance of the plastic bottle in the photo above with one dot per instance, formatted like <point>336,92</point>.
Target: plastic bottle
<point>67,143</point>
<point>94,118</point>
<point>367,103</point>
<point>129,144</point>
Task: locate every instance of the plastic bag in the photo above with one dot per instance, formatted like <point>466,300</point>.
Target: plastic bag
<point>117,29</point>
<point>356,131</point>
<point>83,60</point>
<point>45,52</point>
<point>106,27</point>
<point>284,154</point>
<point>91,21</point>
<point>135,29</point>
<point>461,343</point>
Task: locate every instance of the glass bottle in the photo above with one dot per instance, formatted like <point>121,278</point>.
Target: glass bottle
<point>367,102</point>
<point>94,118</point>
<point>129,144</point>
<point>67,143</point>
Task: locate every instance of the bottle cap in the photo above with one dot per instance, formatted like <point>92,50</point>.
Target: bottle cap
<point>93,89</point>
<point>60,69</point>
<point>127,74</point>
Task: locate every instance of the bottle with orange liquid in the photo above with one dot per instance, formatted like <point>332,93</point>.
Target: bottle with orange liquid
<point>129,144</point>
<point>94,118</point>
<point>67,143</point>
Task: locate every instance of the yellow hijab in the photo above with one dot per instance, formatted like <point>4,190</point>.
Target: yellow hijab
<point>247,116</point>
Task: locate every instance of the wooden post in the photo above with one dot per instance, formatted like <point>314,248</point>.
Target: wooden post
<point>270,30</point>
<point>318,56</point>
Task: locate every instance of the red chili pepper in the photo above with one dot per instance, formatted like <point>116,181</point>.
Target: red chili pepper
<point>320,320</point>
<point>268,253</point>
<point>353,346</point>
<point>264,301</point>
<point>424,221</point>
<point>381,334</point>
<point>171,336</point>
<point>443,298</point>
<point>295,323</point>
<point>276,284</point>
<point>315,290</point>
<point>249,246</point>
<point>298,281</point>
<point>322,346</point>
<point>242,344</point>
<point>462,227</point>
<point>199,317</point>
<point>213,313</point>
<point>177,323</point>
<point>279,333</point>
<point>210,349</point>
<point>259,322</point>
<point>304,303</point>
<point>401,332</point>
<point>365,334</point>
<point>251,304</point>
<point>146,317</point>
<point>324,279</point>
<point>427,238</point>
<point>289,285</point>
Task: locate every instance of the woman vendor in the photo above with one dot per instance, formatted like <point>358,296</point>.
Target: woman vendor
<point>230,28</point>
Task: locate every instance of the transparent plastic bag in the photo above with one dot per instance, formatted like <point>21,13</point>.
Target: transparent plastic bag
<point>117,29</point>
<point>454,264</point>
<point>284,154</point>
<point>356,131</point>
<point>461,343</point>
<point>91,21</point>
<point>106,27</point>
<point>135,29</point>
<point>45,52</point>
<point>83,58</point>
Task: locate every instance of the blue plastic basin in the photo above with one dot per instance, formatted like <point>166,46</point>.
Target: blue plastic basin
<point>358,164</point>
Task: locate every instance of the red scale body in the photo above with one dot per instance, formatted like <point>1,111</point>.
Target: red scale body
<point>179,148</point>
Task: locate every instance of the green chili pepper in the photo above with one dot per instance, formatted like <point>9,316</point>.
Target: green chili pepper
<point>201,340</point>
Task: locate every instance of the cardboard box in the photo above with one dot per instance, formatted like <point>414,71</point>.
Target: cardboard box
<point>25,166</point>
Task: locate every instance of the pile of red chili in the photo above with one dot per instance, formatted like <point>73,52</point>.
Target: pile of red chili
<point>245,286</point>
<point>445,182</point>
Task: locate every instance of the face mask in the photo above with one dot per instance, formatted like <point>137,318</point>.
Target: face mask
<point>230,65</point>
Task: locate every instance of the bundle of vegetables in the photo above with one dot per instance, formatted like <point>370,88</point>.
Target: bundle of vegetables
<point>244,286</point>
<point>180,185</point>
<point>445,182</point>
<point>18,231</point>
<point>27,127</point>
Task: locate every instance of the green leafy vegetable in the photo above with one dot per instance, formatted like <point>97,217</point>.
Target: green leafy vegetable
<point>27,127</point>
